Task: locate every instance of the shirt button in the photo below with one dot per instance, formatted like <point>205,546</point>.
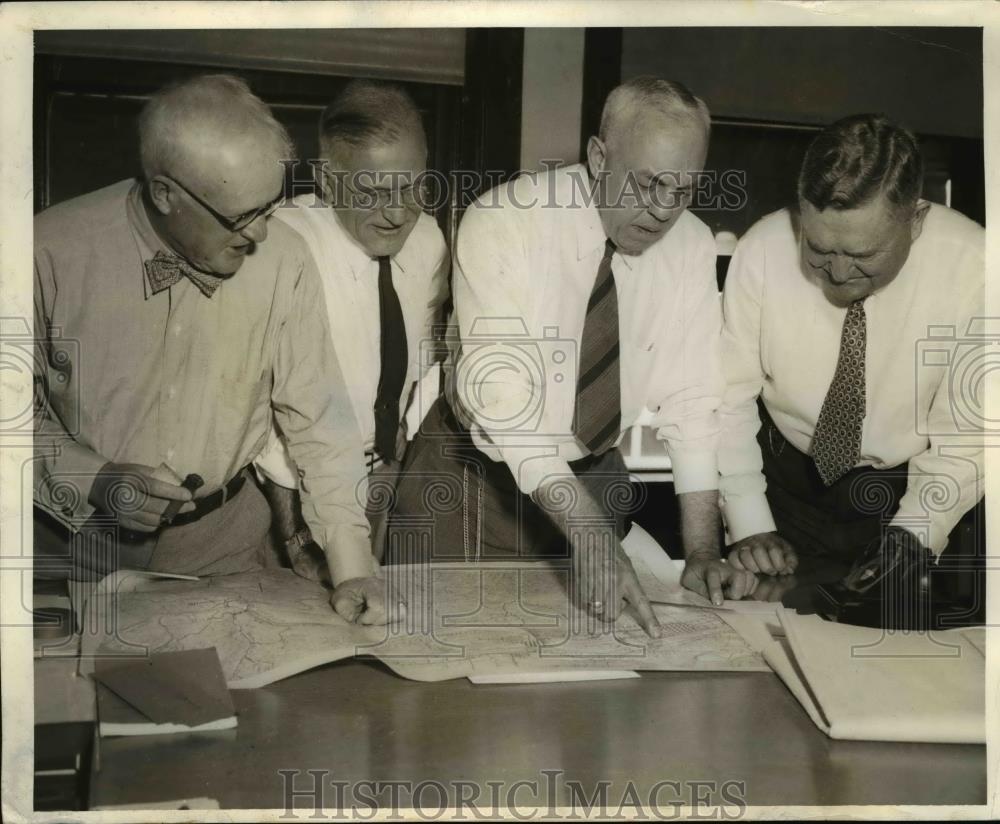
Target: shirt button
<point>177,329</point>
<point>170,453</point>
<point>171,392</point>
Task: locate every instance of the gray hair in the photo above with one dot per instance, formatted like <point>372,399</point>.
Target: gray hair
<point>214,104</point>
<point>646,93</point>
<point>368,112</point>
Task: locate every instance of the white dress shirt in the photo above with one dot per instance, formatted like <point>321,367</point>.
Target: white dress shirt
<point>350,283</point>
<point>781,341</point>
<point>526,261</point>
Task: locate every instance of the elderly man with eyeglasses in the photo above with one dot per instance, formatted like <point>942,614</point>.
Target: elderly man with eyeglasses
<point>384,266</point>
<point>174,319</point>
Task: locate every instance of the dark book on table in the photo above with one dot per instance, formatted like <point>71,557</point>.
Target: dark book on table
<point>165,692</point>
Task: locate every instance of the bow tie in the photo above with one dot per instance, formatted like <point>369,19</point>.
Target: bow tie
<point>164,270</point>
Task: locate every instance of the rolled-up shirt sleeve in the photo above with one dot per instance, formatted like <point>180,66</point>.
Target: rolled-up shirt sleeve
<point>499,382</point>
<point>316,419</point>
<point>687,419</point>
<point>742,484</point>
<point>947,480</point>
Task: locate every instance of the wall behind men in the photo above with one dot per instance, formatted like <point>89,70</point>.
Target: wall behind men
<point>930,79</point>
<point>769,89</point>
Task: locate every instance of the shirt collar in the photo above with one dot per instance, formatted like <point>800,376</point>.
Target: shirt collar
<point>357,257</point>
<point>147,241</point>
<point>590,236</point>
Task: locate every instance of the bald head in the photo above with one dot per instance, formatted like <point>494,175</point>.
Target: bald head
<point>644,101</point>
<point>212,160</point>
<point>208,130</point>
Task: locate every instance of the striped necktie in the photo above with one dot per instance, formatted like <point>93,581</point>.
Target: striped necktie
<point>393,356</point>
<point>836,444</point>
<point>598,389</point>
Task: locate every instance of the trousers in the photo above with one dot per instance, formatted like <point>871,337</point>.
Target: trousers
<point>230,539</point>
<point>452,502</point>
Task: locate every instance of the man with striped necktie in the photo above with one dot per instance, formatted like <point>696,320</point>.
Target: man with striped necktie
<point>586,302</point>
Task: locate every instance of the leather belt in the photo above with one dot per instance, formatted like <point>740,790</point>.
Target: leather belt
<point>210,503</point>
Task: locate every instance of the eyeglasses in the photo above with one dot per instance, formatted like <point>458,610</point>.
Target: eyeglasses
<point>411,197</point>
<point>240,222</point>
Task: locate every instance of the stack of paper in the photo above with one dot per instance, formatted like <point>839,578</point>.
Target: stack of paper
<point>870,684</point>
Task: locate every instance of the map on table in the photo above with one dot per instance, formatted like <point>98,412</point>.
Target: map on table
<point>461,620</point>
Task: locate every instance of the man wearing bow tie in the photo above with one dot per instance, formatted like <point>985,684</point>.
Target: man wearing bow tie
<point>843,437</point>
<point>195,317</point>
<point>384,267</point>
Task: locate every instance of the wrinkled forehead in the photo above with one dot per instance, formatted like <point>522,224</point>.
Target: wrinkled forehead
<point>238,171</point>
<point>865,227</point>
<point>652,141</point>
<point>381,160</point>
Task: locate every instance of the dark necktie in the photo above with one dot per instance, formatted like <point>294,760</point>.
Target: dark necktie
<point>394,355</point>
<point>598,388</point>
<point>836,444</point>
<point>164,270</point>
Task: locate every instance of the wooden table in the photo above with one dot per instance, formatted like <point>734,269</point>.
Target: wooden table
<point>357,721</point>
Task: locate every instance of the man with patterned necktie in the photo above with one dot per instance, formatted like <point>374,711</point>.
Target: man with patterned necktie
<point>840,438</point>
<point>384,267</point>
<point>194,316</point>
<point>586,302</point>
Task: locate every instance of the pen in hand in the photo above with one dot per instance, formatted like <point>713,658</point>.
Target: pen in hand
<point>192,483</point>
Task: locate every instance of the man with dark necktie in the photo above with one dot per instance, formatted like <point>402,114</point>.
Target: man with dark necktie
<point>384,267</point>
<point>194,316</point>
<point>841,437</point>
<point>586,303</point>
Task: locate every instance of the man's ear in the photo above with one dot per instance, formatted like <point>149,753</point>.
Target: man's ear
<point>161,195</point>
<point>917,221</point>
<point>597,154</point>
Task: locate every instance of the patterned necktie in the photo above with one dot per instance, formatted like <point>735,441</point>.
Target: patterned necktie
<point>836,444</point>
<point>394,355</point>
<point>164,270</point>
<point>598,389</point>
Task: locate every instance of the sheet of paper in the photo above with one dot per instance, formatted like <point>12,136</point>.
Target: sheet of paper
<point>870,684</point>
<point>178,804</point>
<point>553,677</point>
<point>461,620</point>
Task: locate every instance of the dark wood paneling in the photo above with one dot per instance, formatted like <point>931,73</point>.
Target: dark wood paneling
<point>86,111</point>
<point>930,79</point>
<point>491,101</point>
<point>602,71</point>
<point>418,55</point>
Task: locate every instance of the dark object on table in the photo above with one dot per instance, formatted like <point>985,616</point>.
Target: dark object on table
<point>168,692</point>
<point>895,585</point>
<point>63,754</point>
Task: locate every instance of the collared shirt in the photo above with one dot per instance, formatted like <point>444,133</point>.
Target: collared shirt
<point>526,261</point>
<point>782,339</point>
<point>179,379</point>
<point>350,283</point>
